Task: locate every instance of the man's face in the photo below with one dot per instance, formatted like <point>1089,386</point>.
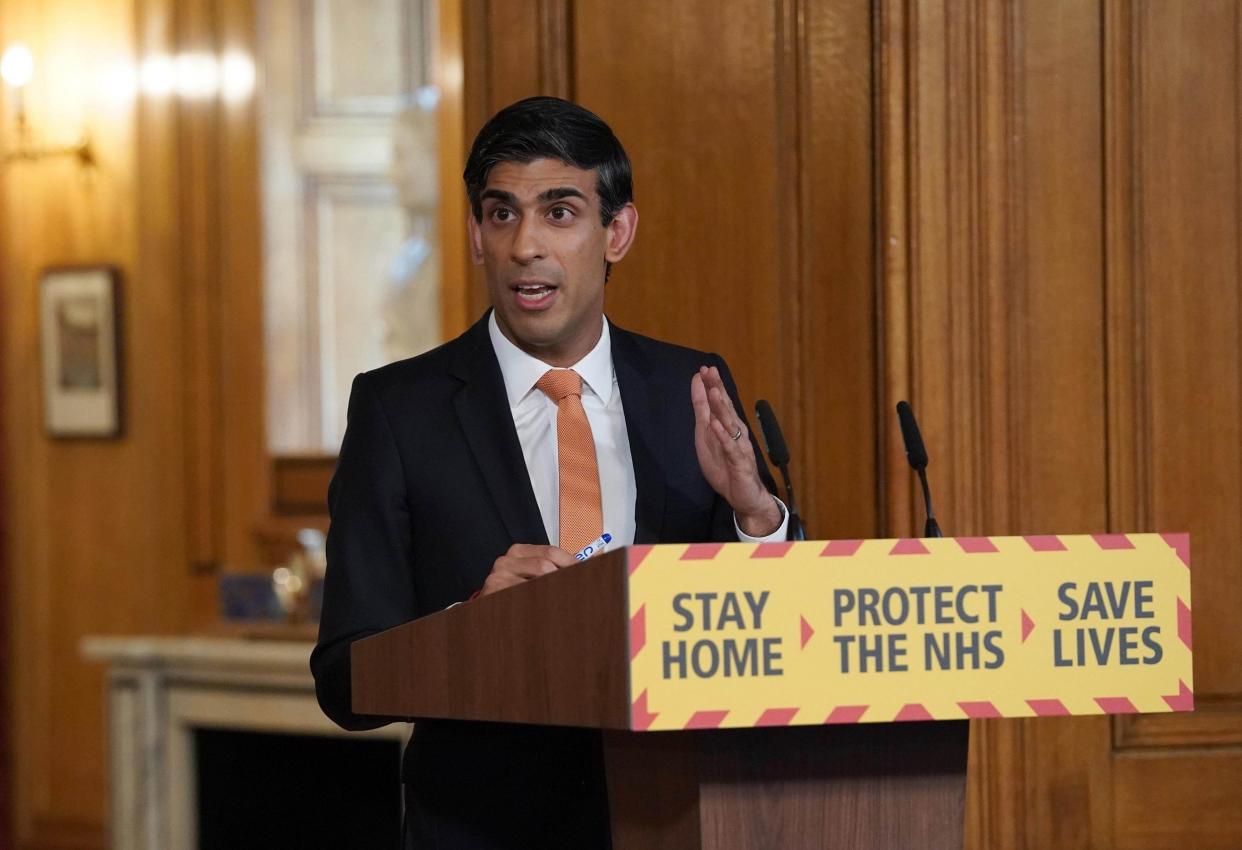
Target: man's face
<point>544,251</point>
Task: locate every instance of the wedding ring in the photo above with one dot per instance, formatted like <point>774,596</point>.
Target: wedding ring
<point>738,435</point>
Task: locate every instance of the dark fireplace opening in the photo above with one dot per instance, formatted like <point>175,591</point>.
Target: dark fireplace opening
<point>301,792</point>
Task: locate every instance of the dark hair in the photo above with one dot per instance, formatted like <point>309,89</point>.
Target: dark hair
<point>551,128</point>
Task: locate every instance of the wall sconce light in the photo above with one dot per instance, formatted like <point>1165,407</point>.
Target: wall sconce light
<point>17,70</point>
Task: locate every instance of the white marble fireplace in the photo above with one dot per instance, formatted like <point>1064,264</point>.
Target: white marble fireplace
<point>162,690</point>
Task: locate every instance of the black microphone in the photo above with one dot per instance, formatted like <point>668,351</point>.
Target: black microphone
<point>916,453</point>
<point>778,454</point>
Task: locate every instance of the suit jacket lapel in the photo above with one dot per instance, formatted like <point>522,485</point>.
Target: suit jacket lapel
<point>483,411</point>
<point>644,407</point>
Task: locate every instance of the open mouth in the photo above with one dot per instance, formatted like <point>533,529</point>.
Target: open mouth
<point>534,293</point>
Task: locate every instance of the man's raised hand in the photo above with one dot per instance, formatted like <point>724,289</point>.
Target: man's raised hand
<point>727,457</point>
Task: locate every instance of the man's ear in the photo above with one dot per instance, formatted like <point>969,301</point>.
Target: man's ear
<point>621,232</point>
<point>476,239</point>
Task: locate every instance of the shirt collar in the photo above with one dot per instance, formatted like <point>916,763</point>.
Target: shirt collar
<point>521,371</point>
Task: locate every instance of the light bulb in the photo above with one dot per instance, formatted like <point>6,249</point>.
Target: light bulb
<point>197,75</point>
<point>156,76</point>
<point>17,65</point>
<point>237,75</point>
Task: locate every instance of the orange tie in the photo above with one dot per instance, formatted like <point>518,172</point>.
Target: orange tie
<point>582,514</point>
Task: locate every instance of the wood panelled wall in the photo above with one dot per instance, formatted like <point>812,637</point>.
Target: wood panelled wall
<point>122,536</point>
<point>750,137</point>
<point>94,526</point>
<point>1059,215</point>
<point>1023,215</point>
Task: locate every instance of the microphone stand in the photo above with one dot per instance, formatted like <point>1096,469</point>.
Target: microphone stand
<point>796,531</point>
<point>931,528</point>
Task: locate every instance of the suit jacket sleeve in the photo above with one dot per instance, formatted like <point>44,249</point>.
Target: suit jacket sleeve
<point>369,583</point>
<point>724,529</point>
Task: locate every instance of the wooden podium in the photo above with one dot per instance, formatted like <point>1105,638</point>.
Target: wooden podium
<point>556,651</point>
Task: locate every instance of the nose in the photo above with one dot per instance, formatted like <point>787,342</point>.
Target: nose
<point>528,243</point>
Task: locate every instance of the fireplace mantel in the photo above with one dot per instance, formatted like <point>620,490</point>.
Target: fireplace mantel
<point>161,689</point>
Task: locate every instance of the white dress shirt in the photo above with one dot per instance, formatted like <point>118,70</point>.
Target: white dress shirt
<point>534,416</point>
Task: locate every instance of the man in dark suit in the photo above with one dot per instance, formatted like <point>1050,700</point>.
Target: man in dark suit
<point>488,461</point>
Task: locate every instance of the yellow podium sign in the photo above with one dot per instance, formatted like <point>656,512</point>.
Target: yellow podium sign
<point>872,631</point>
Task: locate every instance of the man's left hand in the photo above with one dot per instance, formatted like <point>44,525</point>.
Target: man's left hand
<point>727,457</point>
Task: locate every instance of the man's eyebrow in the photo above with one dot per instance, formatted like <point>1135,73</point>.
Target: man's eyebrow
<point>545,197</point>
<point>500,195</point>
<point>559,193</point>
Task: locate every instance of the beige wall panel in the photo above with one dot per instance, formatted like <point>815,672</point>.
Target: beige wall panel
<point>356,225</point>
<point>338,111</point>
<point>290,355</point>
<point>358,49</point>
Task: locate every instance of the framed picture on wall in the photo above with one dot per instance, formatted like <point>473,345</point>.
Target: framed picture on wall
<point>80,345</point>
